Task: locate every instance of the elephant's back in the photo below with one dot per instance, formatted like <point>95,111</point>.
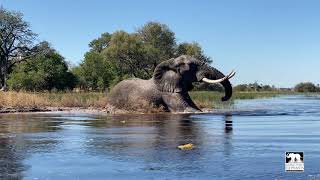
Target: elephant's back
<point>128,86</point>
<point>128,92</point>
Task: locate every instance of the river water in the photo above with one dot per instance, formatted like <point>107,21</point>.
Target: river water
<point>246,142</point>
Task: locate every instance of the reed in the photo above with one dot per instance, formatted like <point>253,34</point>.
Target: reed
<point>209,99</point>
<point>58,99</point>
<point>204,99</point>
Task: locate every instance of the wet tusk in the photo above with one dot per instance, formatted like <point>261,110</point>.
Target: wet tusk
<point>214,81</point>
<point>231,74</point>
<point>219,80</point>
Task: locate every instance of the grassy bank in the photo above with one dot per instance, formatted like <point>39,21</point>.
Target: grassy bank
<point>203,99</point>
<point>39,100</point>
<point>206,99</point>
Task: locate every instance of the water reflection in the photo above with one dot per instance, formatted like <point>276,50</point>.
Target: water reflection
<point>228,124</point>
<point>152,138</point>
<point>144,136</point>
<point>227,144</point>
<point>14,147</point>
<point>11,158</point>
<point>228,133</point>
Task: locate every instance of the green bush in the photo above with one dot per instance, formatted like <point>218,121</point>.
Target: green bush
<point>306,87</point>
<point>94,72</point>
<point>43,72</point>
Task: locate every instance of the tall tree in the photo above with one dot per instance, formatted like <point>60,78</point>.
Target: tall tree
<point>132,54</point>
<point>159,42</point>
<point>306,87</point>
<point>16,42</point>
<point>127,52</point>
<point>100,43</point>
<point>94,72</point>
<point>192,49</point>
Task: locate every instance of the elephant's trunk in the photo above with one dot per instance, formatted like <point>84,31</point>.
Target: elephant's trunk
<point>228,90</point>
<point>208,74</point>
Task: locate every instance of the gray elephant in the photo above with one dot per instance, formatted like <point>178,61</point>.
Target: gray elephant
<point>169,86</point>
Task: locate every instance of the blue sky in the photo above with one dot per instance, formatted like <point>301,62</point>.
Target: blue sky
<point>269,41</point>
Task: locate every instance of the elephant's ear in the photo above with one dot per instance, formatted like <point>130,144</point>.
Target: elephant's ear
<point>166,77</point>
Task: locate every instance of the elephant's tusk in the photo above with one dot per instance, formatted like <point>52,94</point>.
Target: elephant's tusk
<point>231,74</point>
<point>219,80</point>
<point>214,81</point>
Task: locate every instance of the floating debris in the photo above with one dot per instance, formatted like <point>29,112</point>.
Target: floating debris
<point>186,146</point>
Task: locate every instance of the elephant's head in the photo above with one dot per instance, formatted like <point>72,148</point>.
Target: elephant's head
<point>177,75</point>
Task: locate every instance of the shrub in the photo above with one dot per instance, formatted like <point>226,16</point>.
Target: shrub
<point>43,72</point>
<point>306,87</point>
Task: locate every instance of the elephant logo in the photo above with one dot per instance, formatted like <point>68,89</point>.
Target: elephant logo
<point>294,157</point>
<point>294,162</point>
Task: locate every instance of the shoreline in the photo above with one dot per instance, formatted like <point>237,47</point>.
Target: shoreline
<point>10,110</point>
<point>91,110</point>
<point>96,103</point>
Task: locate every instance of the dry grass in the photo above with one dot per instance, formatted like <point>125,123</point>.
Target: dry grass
<point>40,100</point>
<point>20,100</point>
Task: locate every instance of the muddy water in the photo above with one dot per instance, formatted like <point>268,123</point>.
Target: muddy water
<point>247,142</point>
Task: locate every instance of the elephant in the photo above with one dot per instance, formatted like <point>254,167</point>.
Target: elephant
<point>169,86</point>
<point>294,158</point>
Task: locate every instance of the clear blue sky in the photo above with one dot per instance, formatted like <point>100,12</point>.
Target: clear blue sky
<point>269,41</point>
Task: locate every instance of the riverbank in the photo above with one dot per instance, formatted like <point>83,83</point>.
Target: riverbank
<point>12,102</point>
<point>208,99</point>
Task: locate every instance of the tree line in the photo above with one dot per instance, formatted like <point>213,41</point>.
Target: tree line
<point>112,57</point>
<point>256,87</point>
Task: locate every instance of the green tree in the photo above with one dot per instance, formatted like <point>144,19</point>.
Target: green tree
<point>267,88</point>
<point>16,42</point>
<point>100,43</point>
<point>121,55</point>
<point>94,72</point>
<point>127,52</point>
<point>192,49</point>
<point>306,87</point>
<point>241,87</point>
<point>254,87</point>
<point>159,42</point>
<point>43,72</point>
<point>208,87</point>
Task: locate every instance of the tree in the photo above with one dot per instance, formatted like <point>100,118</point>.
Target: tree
<point>43,72</point>
<point>137,54</point>
<point>16,42</point>
<point>192,49</point>
<point>100,43</point>
<point>94,72</point>
<point>208,87</point>
<point>241,87</point>
<point>255,87</point>
<point>132,54</point>
<point>127,52</point>
<point>267,88</point>
<point>306,87</point>
<point>159,42</point>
